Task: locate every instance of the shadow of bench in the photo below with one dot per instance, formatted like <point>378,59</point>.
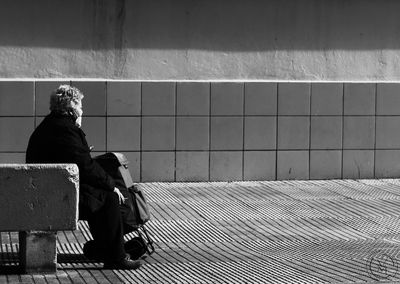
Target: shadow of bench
<point>37,200</point>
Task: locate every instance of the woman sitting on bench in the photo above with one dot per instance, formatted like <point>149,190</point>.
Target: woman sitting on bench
<point>59,139</point>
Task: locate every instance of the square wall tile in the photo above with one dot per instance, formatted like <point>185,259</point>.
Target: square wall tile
<point>293,99</point>
<point>260,133</point>
<point>16,98</point>
<point>15,133</point>
<point>94,101</point>
<point>95,130</point>
<point>261,98</point>
<point>192,133</point>
<point>158,133</point>
<point>124,98</point>
<point>226,133</point>
<point>358,164</point>
<point>226,166</point>
<point>359,99</point>
<point>158,166</point>
<point>326,99</point>
<point>359,132</point>
<point>134,164</point>
<point>388,99</point>
<point>192,166</point>
<point>123,133</point>
<point>326,132</point>
<point>326,164</point>
<point>293,132</point>
<point>387,163</point>
<point>43,90</point>
<point>193,98</point>
<point>387,132</point>
<point>158,98</point>
<point>12,158</point>
<point>292,165</point>
<point>259,165</point>
<point>227,98</point>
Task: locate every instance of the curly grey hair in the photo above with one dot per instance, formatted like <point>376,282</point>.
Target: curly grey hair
<point>61,99</point>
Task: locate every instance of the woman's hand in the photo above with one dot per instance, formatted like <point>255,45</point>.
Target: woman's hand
<point>121,197</point>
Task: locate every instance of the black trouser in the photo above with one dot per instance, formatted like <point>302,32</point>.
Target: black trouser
<point>106,228</point>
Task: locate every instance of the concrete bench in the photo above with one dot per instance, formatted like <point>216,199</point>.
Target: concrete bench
<point>37,200</point>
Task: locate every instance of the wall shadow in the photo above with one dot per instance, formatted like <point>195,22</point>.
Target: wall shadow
<point>225,25</point>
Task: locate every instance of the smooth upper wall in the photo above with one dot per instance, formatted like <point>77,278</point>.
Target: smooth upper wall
<point>312,40</point>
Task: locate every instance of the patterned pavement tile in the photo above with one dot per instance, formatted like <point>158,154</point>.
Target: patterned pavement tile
<point>318,231</point>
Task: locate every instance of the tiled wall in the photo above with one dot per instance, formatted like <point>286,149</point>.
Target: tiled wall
<point>200,131</point>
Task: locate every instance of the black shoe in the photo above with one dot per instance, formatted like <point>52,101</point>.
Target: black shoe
<point>92,252</point>
<point>124,264</point>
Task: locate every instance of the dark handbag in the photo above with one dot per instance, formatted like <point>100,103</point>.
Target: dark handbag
<point>116,165</point>
<point>134,211</point>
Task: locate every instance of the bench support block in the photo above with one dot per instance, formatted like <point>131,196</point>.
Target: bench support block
<point>37,251</point>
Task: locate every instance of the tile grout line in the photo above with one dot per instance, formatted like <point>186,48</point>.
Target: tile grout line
<point>209,131</point>
<point>141,135</point>
<point>206,116</point>
<point>238,150</point>
<point>243,127</point>
<point>276,130</point>
<point>106,117</point>
<point>341,167</point>
<point>375,117</point>
<point>175,126</point>
<point>224,115</point>
<point>309,130</point>
<point>216,116</point>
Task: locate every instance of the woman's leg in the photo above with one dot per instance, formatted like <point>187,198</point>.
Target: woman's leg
<point>106,228</point>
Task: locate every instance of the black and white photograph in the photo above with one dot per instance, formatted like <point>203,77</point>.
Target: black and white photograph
<point>199,141</point>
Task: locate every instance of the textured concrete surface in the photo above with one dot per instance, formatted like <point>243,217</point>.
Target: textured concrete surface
<point>333,231</point>
<point>37,252</point>
<point>38,197</point>
<point>180,39</point>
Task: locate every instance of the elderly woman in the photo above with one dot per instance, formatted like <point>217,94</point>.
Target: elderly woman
<point>59,139</point>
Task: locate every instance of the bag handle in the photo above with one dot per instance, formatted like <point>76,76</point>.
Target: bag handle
<point>149,242</point>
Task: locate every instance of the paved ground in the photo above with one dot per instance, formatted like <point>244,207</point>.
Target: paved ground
<point>338,231</point>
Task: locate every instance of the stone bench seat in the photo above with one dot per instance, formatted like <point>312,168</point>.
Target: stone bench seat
<point>37,200</point>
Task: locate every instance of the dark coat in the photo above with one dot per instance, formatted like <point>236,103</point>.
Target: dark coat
<point>58,140</point>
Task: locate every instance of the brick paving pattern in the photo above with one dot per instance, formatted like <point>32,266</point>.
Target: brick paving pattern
<point>325,231</point>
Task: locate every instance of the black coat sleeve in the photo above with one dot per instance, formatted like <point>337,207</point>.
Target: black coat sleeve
<point>75,149</point>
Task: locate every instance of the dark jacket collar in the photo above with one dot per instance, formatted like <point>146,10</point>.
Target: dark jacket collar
<point>65,117</point>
